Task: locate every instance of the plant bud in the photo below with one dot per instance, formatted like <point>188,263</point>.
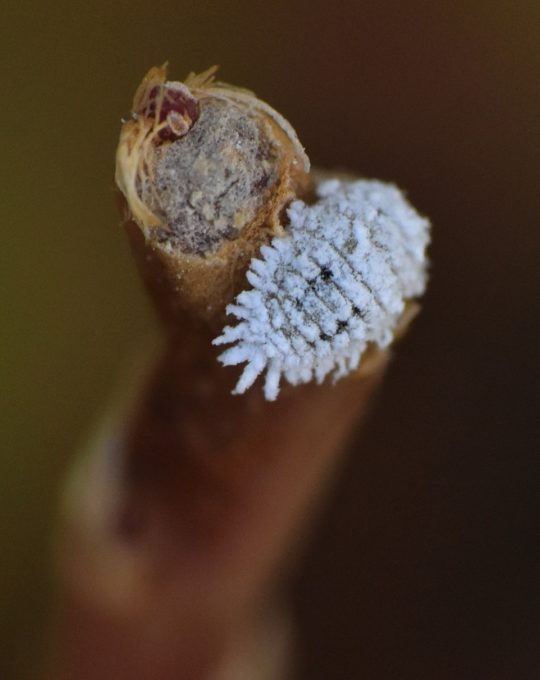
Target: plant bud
<point>206,171</point>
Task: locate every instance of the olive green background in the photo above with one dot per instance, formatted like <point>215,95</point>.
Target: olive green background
<point>424,564</point>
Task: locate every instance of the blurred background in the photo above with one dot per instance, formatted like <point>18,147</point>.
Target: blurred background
<point>424,563</point>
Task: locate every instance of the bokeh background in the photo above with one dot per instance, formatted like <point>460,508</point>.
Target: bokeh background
<point>424,562</point>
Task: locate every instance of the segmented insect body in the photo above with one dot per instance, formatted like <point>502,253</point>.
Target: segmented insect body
<point>335,282</point>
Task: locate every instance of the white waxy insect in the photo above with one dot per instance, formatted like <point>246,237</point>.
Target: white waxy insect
<point>335,282</point>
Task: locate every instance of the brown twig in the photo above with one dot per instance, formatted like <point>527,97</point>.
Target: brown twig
<point>180,519</point>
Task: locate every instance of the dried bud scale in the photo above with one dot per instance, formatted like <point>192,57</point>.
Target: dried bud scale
<point>206,170</point>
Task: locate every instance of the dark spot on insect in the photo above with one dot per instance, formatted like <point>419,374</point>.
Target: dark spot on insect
<point>381,213</point>
<point>326,273</point>
<point>341,325</point>
<point>358,312</point>
<point>298,303</point>
<point>326,337</point>
<point>350,245</point>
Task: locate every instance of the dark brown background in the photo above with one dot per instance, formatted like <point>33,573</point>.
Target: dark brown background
<point>424,564</point>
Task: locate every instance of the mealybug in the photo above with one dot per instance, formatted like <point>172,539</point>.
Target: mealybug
<point>335,282</point>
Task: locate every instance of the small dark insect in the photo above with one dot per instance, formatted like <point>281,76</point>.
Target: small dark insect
<point>171,105</point>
